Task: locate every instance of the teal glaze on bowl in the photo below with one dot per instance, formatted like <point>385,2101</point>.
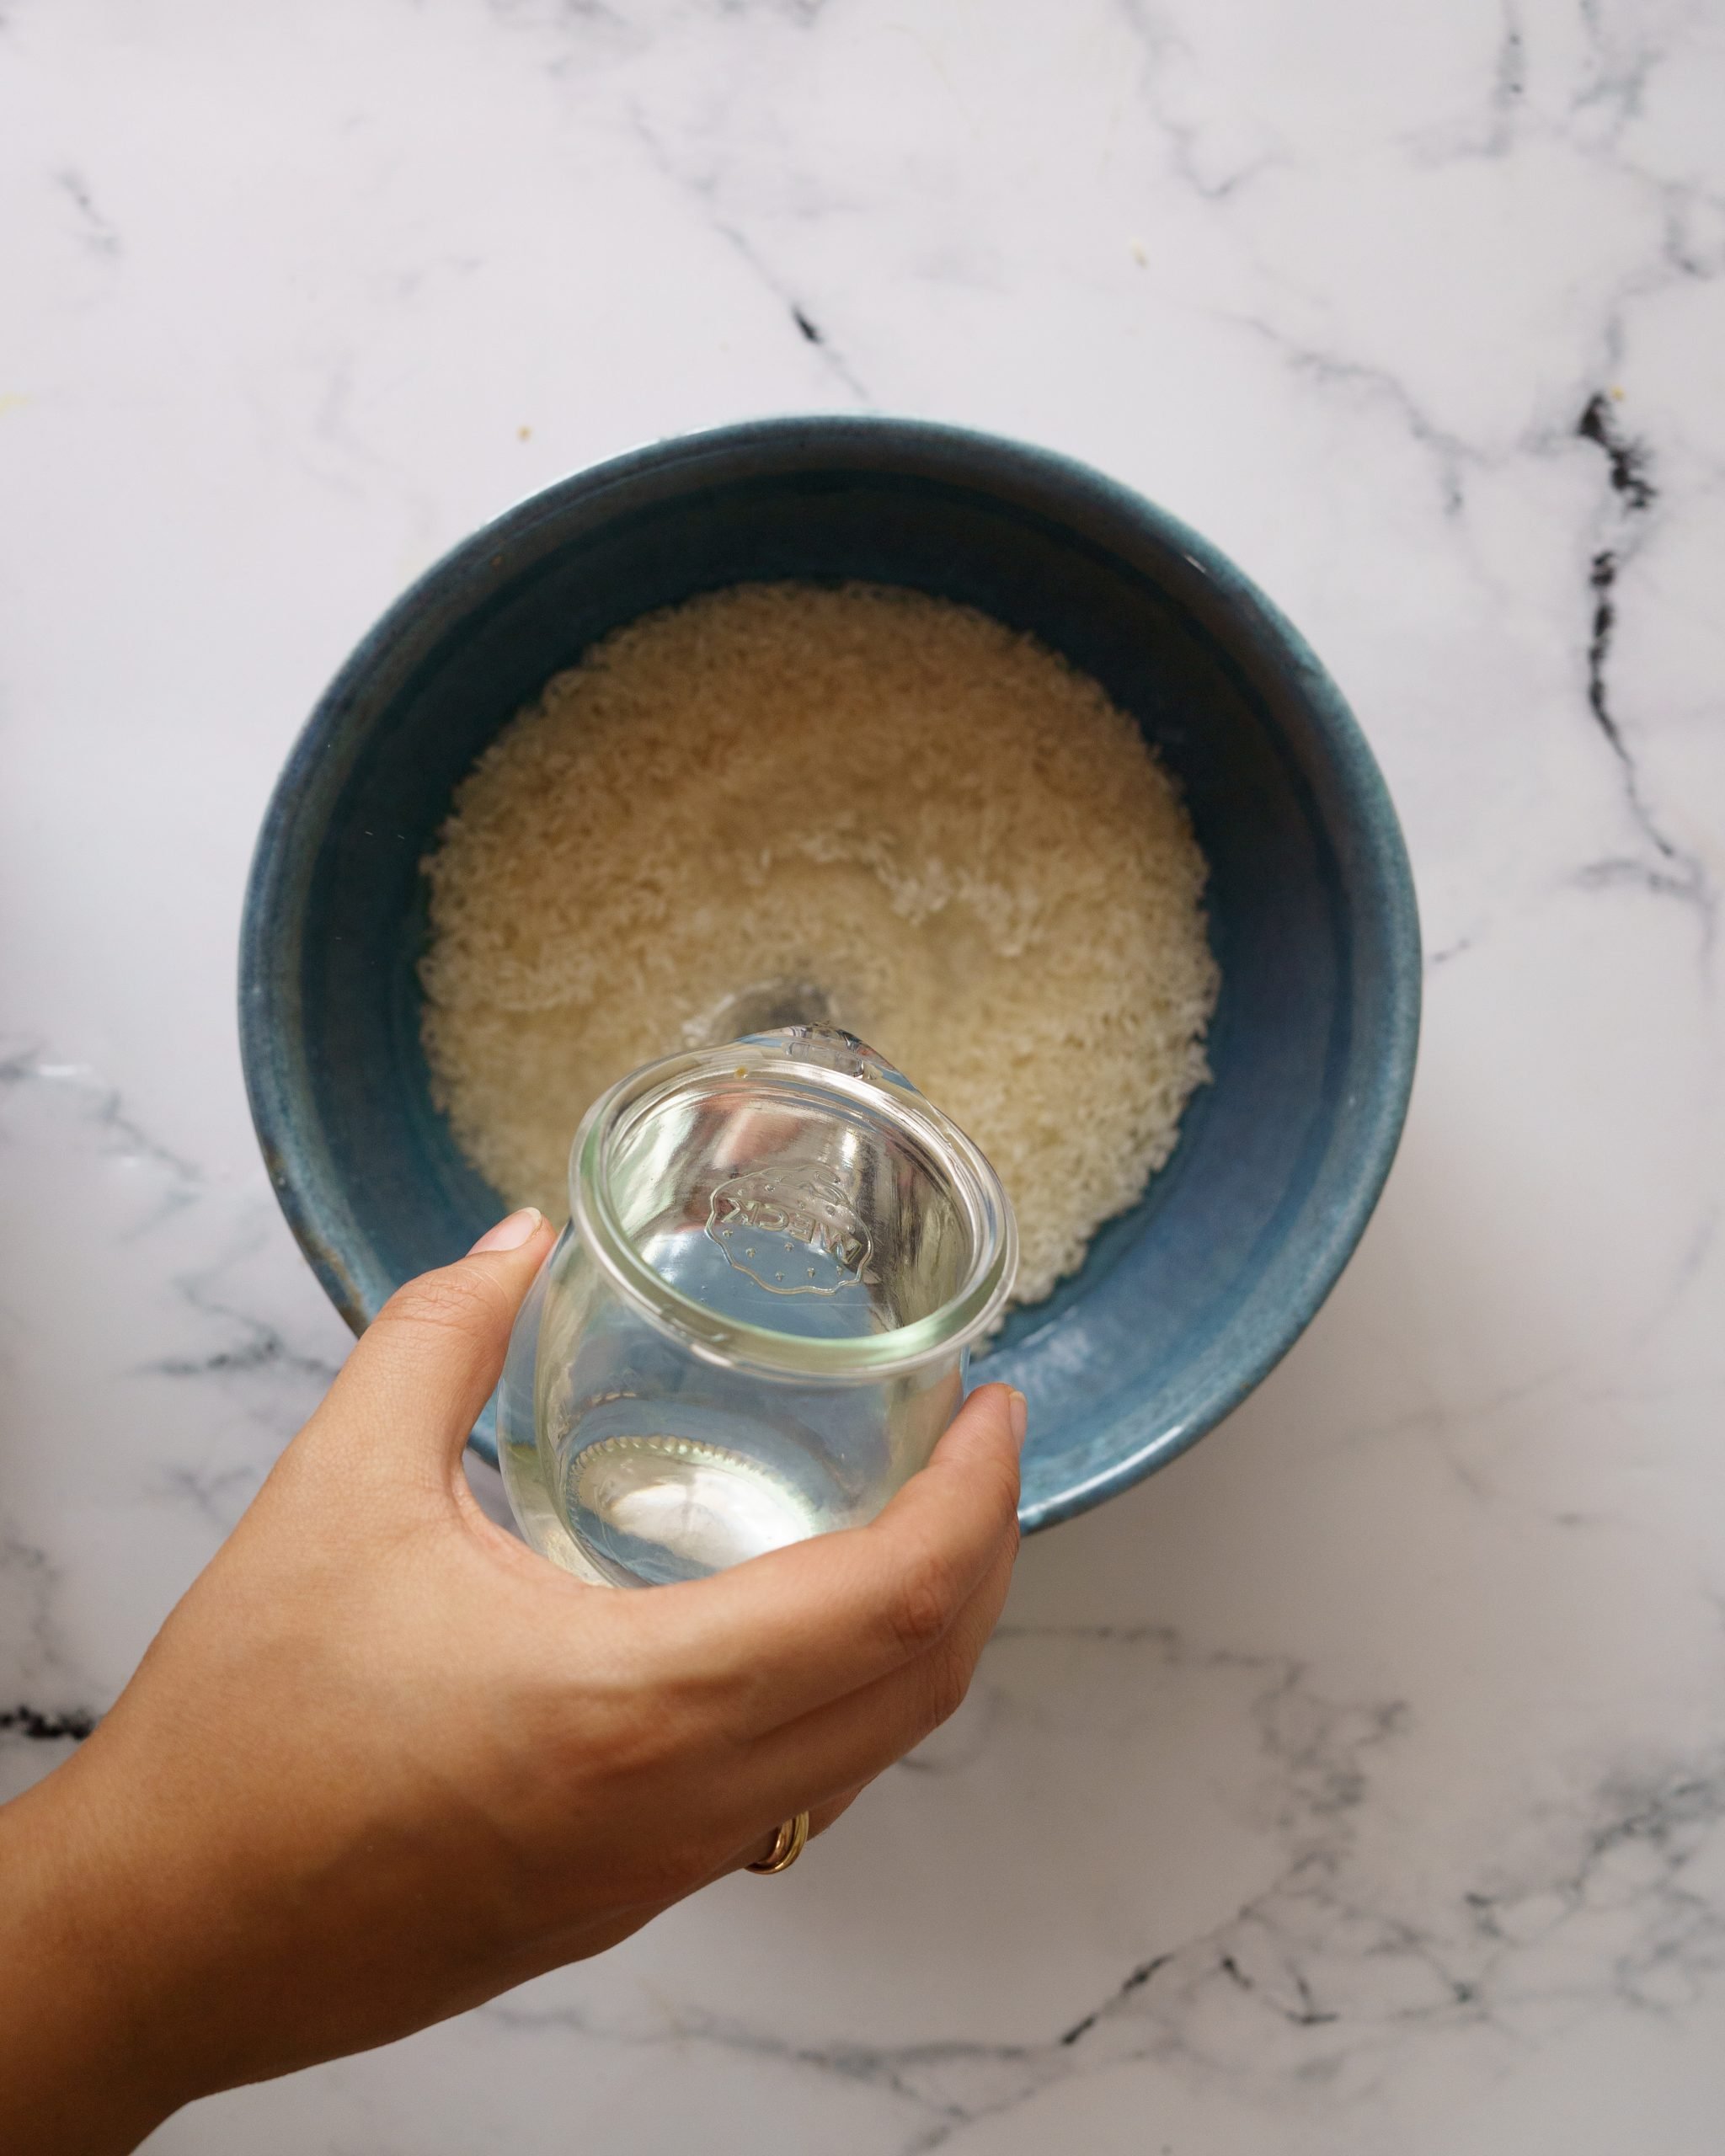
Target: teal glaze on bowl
<point>1185,1304</point>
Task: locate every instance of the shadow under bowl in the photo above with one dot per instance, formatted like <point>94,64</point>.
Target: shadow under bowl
<point>1183,1304</point>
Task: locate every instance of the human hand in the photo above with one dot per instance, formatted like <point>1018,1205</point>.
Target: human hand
<point>383,1762</point>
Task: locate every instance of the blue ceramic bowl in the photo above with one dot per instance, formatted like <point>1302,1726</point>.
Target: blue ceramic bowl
<point>1182,1304</point>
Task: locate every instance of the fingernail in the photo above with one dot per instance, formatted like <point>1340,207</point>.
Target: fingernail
<point>511,1233</point>
<point>1020,1412</point>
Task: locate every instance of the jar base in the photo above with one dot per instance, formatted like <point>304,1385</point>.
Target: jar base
<point>651,1510</point>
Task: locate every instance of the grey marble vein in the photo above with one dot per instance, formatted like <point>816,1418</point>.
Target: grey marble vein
<point>1676,872</point>
<point>51,1726</point>
<point>93,227</point>
<point>703,186</point>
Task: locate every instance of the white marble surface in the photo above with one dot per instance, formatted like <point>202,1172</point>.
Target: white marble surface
<point>1359,1786</point>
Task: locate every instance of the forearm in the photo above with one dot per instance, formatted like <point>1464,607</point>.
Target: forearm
<point>84,2068</point>
<point>381,1762</point>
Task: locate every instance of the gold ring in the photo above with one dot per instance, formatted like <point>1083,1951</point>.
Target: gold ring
<point>787,1845</point>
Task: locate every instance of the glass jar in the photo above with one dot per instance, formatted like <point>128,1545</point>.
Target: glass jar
<point>756,1323</point>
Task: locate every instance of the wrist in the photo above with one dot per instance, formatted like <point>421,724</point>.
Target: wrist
<point>87,2061</point>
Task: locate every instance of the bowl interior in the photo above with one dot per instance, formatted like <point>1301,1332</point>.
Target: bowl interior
<point>1183,1303</point>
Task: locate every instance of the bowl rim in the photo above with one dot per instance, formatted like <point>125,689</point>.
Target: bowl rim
<point>268,997</point>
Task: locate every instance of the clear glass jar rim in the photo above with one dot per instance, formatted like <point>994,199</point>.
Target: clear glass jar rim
<point>760,1350</point>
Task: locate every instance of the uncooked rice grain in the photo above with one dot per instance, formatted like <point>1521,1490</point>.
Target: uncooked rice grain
<point>947,828</point>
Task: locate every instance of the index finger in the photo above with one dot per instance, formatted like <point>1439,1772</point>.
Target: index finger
<point>785,1633</point>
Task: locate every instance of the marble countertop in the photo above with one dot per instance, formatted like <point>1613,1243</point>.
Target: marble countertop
<point>1358,1784</point>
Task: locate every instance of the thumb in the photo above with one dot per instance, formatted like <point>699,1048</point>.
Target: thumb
<point>428,1361</point>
